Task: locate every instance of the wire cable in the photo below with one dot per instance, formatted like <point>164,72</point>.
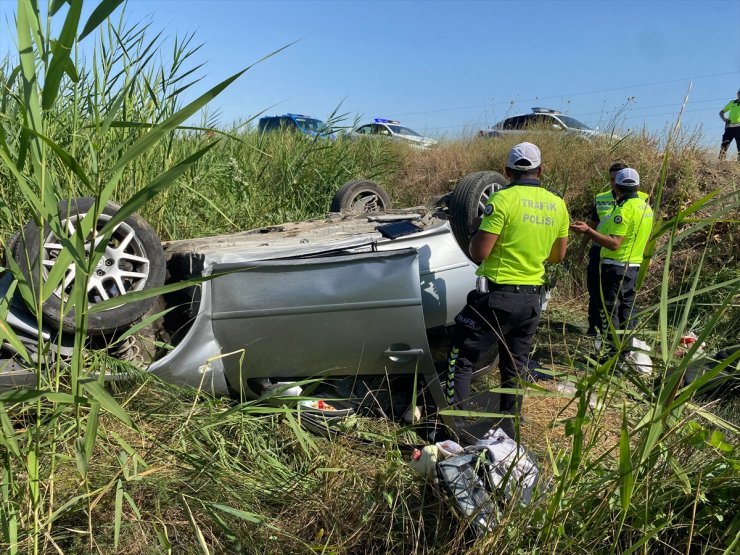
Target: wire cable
<point>538,98</point>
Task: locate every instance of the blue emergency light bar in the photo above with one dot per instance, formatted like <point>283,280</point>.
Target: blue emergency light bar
<point>383,120</point>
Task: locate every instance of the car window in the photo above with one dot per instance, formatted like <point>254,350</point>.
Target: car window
<point>401,130</point>
<point>309,124</point>
<point>365,129</point>
<point>383,130</point>
<point>573,123</point>
<point>543,122</point>
<point>287,123</point>
<point>517,122</point>
<point>267,124</point>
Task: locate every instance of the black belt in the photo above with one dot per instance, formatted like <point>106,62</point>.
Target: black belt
<point>511,288</point>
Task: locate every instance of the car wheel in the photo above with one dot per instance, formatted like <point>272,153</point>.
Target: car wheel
<point>9,248</point>
<point>133,261</point>
<point>468,200</point>
<point>360,196</point>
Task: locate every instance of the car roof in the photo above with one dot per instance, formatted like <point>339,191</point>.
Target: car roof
<point>535,112</point>
<point>288,116</point>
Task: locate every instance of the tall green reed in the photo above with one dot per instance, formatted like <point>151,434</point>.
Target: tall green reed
<point>646,489</point>
<point>67,132</point>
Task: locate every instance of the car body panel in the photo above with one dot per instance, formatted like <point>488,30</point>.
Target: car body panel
<point>307,317</point>
<point>13,374</point>
<point>331,295</point>
<point>446,274</point>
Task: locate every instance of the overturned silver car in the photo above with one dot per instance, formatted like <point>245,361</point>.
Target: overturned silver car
<point>356,294</point>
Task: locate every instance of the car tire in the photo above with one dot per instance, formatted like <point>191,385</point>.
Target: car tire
<point>9,248</point>
<point>360,196</point>
<point>467,202</point>
<point>134,260</point>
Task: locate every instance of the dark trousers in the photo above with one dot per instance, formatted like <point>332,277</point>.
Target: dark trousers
<point>730,134</point>
<point>507,317</point>
<point>593,285</point>
<point>618,286</point>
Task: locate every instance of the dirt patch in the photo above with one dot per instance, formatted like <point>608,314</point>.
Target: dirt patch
<point>545,421</point>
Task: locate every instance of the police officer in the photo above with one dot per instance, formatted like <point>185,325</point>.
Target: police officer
<point>622,238</point>
<point>732,127</point>
<point>603,205</point>
<point>523,226</point>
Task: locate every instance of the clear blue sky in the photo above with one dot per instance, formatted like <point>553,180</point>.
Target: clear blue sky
<point>450,68</point>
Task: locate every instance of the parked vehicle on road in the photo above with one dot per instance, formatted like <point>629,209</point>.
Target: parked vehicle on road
<point>392,129</point>
<point>295,122</point>
<point>541,119</point>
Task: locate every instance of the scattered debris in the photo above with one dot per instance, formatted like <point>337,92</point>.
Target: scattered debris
<point>475,476</point>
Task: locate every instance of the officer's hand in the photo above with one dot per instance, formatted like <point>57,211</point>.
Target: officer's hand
<point>579,227</point>
<point>474,227</point>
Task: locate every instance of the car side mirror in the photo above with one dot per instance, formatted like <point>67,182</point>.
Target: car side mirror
<point>556,127</point>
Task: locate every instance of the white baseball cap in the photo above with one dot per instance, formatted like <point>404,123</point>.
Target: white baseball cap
<point>627,178</point>
<point>524,157</point>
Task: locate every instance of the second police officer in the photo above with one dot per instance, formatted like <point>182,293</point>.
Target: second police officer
<point>622,239</point>
<point>602,209</point>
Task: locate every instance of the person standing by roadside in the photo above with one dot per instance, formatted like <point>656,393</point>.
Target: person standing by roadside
<point>732,127</point>
<point>523,226</point>
<point>622,239</point>
<point>603,206</point>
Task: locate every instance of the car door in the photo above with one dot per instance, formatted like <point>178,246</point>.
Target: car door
<point>344,315</point>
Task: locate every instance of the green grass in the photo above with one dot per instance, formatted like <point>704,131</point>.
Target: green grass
<point>145,467</point>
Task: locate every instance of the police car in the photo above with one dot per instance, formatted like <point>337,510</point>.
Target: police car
<point>541,119</point>
<point>394,130</point>
<point>295,122</point>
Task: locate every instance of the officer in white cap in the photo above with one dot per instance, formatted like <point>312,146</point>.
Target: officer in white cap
<point>622,237</point>
<point>603,206</point>
<point>523,226</point>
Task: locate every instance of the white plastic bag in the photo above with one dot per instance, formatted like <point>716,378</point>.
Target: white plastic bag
<point>638,356</point>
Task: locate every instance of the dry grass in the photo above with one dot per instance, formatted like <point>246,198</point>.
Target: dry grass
<point>573,167</point>
<point>544,419</point>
